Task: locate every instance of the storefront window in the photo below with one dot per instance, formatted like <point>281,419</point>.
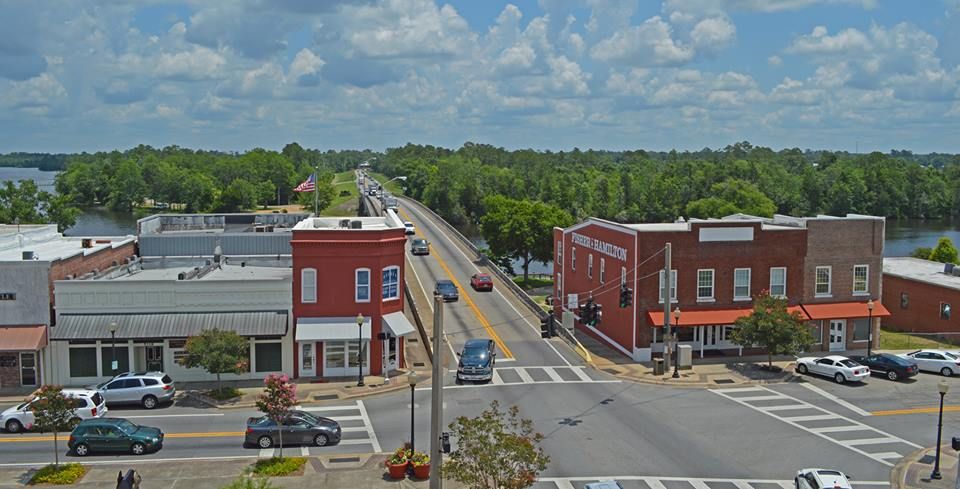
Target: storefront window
<point>269,357</point>
<point>123,360</point>
<point>861,329</point>
<point>352,350</point>
<point>83,362</point>
<point>334,353</point>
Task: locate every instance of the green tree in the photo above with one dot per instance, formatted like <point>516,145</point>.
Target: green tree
<point>771,327</point>
<point>944,252</point>
<point>730,197</point>
<point>239,195</point>
<point>325,193</point>
<point>198,191</point>
<point>496,450</point>
<point>127,187</point>
<point>521,229</point>
<point>53,412</point>
<point>25,203</point>
<point>218,352</point>
<point>922,252</point>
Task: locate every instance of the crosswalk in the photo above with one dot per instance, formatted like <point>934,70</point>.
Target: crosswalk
<point>538,375</point>
<point>651,482</point>
<point>841,430</point>
<point>355,425</point>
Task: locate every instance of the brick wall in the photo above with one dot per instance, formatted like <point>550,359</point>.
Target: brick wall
<point>922,314</point>
<point>84,263</point>
<point>841,244</point>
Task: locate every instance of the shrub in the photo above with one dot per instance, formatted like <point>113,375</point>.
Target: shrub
<point>224,393</point>
<point>419,459</point>
<point>250,483</point>
<point>277,467</point>
<point>65,474</point>
<point>400,456</point>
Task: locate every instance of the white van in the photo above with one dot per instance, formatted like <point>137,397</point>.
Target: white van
<point>88,404</point>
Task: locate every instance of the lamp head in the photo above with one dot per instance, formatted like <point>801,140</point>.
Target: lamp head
<point>113,327</point>
<point>360,320</point>
<point>676,313</point>
<point>870,305</point>
<point>943,387</point>
<point>412,378</point>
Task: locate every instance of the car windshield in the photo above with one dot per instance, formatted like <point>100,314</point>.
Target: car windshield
<point>126,426</point>
<point>476,353</point>
<point>849,363</point>
<point>446,287</point>
<point>419,242</point>
<point>896,360</point>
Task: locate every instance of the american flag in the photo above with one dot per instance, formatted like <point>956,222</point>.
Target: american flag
<point>308,185</point>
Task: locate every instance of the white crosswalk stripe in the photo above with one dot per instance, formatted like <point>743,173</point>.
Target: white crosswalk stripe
<point>804,412</point>
<point>532,375</point>
<point>343,414</point>
<point>652,482</point>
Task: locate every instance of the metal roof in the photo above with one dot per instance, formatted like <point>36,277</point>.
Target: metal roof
<point>926,271</point>
<point>177,325</point>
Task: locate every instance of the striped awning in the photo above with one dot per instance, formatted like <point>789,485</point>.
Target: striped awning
<point>176,325</point>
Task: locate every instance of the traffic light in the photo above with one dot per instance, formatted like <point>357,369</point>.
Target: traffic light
<point>626,296</point>
<point>597,315</point>
<point>546,326</point>
<point>587,313</point>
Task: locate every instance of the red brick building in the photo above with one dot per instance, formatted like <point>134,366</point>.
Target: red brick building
<point>342,268</point>
<point>826,267</point>
<point>921,295</point>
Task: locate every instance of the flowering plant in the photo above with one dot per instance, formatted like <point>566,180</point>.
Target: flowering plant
<point>278,398</point>
<point>400,456</point>
<point>419,459</point>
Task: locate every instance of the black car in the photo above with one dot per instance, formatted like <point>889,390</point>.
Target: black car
<point>891,366</point>
<point>447,290</point>
<point>299,428</point>
<point>477,360</point>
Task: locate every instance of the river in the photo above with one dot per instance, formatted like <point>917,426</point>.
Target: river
<point>902,236</point>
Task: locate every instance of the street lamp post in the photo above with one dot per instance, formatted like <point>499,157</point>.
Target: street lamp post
<point>360,350</point>
<point>412,380</point>
<point>942,387</point>
<point>870,326</point>
<point>676,351</point>
<point>113,348</point>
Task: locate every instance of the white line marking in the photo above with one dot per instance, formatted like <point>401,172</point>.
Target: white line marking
<point>657,482</point>
<point>741,389</point>
<point>453,354</point>
<point>581,373</point>
<point>554,376</point>
<point>524,376</point>
<point>836,399</point>
<point>787,485</point>
<point>654,483</point>
<point>348,418</point>
<point>871,441</point>
<point>834,429</point>
<point>697,484</point>
<point>887,455</point>
<point>369,425</point>
<point>266,453</point>
<point>356,441</point>
<point>305,451</point>
<point>813,417</point>
<point>501,360</point>
<point>353,428</point>
<point>496,377</point>
<point>511,384</point>
<point>782,408</point>
<point>562,484</point>
<point>760,398</point>
<point>172,415</point>
<point>320,409</point>
<point>742,485</point>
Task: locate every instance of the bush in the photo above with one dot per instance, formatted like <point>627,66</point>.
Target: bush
<point>64,474</point>
<point>250,483</point>
<point>224,393</point>
<point>277,467</point>
<point>344,193</point>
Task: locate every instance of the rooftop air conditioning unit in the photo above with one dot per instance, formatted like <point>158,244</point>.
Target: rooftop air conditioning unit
<point>344,223</point>
<point>86,243</point>
<point>356,224</point>
<point>956,271</point>
<point>948,268</point>
<point>268,228</point>
<point>28,255</point>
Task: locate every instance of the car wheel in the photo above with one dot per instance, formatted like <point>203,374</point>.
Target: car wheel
<point>264,442</point>
<point>14,426</point>
<point>81,450</point>
<point>892,375</point>
<point>138,448</point>
<point>946,372</point>
<point>802,369</point>
<point>839,378</point>
<point>149,402</point>
<point>320,440</point>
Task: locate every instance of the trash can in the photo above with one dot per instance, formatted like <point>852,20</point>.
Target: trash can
<point>658,366</point>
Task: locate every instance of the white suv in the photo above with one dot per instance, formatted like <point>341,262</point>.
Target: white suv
<point>87,404</point>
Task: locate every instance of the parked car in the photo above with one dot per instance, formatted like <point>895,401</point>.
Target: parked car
<point>148,389</point>
<point>842,369</point>
<point>481,281</point>
<point>114,435</point>
<point>944,362</point>
<point>409,228</point>
<point>891,366</point>
<point>300,428</point>
<point>88,404</point>
<point>821,479</point>
<point>420,246</point>
<point>447,290</point>
<point>477,360</point>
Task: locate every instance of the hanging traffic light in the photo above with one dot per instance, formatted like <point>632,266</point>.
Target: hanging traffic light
<point>597,315</point>
<point>626,296</point>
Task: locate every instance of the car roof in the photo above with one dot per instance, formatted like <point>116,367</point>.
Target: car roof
<point>109,421</point>
<point>830,478</point>
<point>482,275</point>
<point>836,358</point>
<point>477,342</point>
<point>79,392</point>
<point>444,282</point>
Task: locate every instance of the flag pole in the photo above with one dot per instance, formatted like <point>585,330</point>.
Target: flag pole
<point>316,172</point>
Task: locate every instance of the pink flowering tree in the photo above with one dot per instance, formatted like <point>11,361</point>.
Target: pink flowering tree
<point>278,398</point>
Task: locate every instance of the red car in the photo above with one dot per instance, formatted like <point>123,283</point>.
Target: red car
<point>481,281</point>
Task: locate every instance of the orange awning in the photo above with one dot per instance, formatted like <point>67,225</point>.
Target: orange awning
<point>710,317</point>
<point>843,310</point>
<point>23,338</point>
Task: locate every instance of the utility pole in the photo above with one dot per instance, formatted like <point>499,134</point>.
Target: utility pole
<point>666,306</point>
<point>436,408</point>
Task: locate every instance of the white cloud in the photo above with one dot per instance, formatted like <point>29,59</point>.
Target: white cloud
<point>36,95</point>
<point>648,44</point>
<point>848,41</point>
<point>305,68</point>
<point>197,64</point>
<point>774,60</point>
<point>406,29</point>
<point>713,34</point>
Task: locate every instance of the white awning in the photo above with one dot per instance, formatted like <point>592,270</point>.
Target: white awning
<point>331,329</point>
<point>398,324</point>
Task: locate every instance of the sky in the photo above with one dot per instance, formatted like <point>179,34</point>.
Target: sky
<point>82,75</point>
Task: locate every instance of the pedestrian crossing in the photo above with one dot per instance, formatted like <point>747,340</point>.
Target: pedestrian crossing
<point>503,376</point>
<point>357,430</point>
<point>650,482</point>
<point>841,430</point>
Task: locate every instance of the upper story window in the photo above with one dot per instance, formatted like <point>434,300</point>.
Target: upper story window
<point>560,252</point>
<point>673,286</point>
<point>391,283</point>
<point>861,279</point>
<point>590,265</point>
<point>741,284</point>
<point>822,285</point>
<point>705,284</point>
<point>573,258</point>
<point>603,270</point>
<point>778,281</point>
<point>308,285</point>
<point>362,285</point>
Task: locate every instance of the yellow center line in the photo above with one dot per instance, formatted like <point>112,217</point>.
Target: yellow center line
<point>924,410</point>
<point>466,297</point>
<point>214,434</point>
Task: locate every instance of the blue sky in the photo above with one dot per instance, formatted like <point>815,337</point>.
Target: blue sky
<point>80,75</point>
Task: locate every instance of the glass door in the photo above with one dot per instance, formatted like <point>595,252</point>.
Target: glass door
<point>154,358</point>
<point>307,360</point>
<point>28,368</point>
<point>838,337</point>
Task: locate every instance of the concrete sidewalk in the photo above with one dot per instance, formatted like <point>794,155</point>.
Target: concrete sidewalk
<point>913,471</point>
<point>368,471</point>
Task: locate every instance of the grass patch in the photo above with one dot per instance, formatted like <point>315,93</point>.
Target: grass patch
<point>896,340</point>
<point>62,475</point>
<point>532,282</point>
<point>225,393</point>
<point>278,467</point>
<point>394,187</point>
<point>250,483</point>
<point>542,301</point>
<point>343,182</point>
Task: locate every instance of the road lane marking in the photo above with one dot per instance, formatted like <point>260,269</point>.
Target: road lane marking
<point>369,425</point>
<point>759,398</point>
<point>836,429</point>
<point>512,384</point>
<point>219,434</point>
<point>320,409</point>
<point>743,389</point>
<point>654,483</point>
<point>872,441</point>
<point>786,407</point>
<point>835,399</point>
<point>554,376</point>
<point>174,415</point>
<point>496,379</point>
<point>814,417</point>
<point>413,268</point>
<point>524,376</point>
<point>579,371</point>
<point>923,410</point>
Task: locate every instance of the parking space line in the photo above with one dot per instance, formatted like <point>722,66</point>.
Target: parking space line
<point>356,441</point>
<point>369,425</point>
<point>321,409</point>
<point>347,418</point>
<point>173,415</point>
<point>835,399</point>
<point>353,429</point>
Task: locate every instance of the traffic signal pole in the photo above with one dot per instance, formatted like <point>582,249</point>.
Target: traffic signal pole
<point>436,398</point>
<point>666,306</point>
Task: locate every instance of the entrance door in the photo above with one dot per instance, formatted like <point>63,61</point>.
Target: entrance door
<point>390,353</point>
<point>308,359</point>
<point>838,337</point>
<point>154,358</point>
<point>28,368</point>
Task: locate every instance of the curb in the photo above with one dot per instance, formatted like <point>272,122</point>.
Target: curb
<point>898,470</point>
<point>790,378</point>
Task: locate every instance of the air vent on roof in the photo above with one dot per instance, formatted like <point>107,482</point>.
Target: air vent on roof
<point>345,223</point>
<point>86,243</point>
<point>956,271</point>
<point>356,224</point>
<point>948,268</point>
<point>28,255</point>
<point>182,276</point>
